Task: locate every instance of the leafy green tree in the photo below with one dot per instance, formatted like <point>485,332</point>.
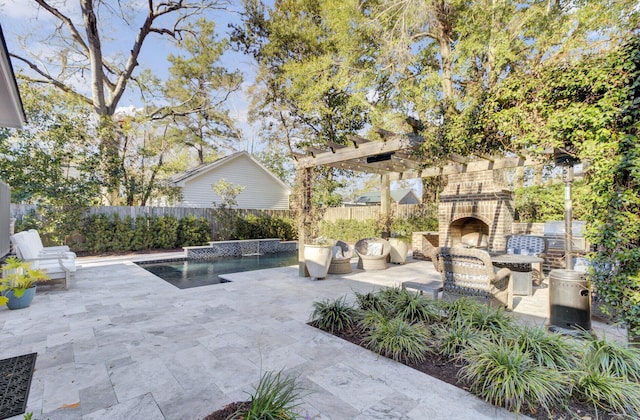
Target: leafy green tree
<point>77,47</point>
<point>590,109</point>
<point>52,161</point>
<point>197,91</point>
<point>224,211</point>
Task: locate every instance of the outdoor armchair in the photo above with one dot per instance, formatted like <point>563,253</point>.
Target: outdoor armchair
<point>341,258</point>
<point>467,271</point>
<point>373,253</point>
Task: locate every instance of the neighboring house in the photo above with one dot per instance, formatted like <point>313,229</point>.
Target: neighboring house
<point>262,189</point>
<point>398,196</point>
<point>11,115</point>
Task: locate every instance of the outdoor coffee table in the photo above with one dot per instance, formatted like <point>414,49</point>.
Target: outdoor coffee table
<point>520,266</point>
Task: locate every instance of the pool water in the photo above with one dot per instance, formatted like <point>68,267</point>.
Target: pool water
<point>195,273</point>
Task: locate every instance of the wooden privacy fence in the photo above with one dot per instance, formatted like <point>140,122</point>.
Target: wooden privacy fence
<point>330,214</point>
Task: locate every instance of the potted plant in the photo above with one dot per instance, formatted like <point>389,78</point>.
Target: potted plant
<point>317,257</point>
<point>399,247</point>
<point>18,283</point>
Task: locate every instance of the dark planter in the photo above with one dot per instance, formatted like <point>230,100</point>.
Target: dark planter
<point>23,301</point>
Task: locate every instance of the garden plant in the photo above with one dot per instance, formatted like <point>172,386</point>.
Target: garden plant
<point>525,369</point>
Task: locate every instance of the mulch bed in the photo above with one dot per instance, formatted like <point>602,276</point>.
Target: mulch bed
<point>228,411</point>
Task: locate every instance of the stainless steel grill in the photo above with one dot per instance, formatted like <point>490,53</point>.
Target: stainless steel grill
<point>555,236</point>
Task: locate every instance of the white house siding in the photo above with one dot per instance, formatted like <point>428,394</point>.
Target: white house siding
<point>261,190</point>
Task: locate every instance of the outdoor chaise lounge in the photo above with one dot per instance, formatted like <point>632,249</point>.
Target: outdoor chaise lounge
<point>467,271</point>
<point>341,258</point>
<point>58,263</point>
<point>373,253</point>
<point>529,245</point>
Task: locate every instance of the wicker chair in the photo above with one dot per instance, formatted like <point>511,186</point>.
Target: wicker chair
<point>533,245</point>
<point>341,264</point>
<point>467,271</point>
<point>373,253</point>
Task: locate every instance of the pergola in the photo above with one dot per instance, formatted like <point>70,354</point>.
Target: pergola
<point>393,157</point>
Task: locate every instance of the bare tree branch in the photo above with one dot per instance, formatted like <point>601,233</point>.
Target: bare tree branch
<point>48,79</point>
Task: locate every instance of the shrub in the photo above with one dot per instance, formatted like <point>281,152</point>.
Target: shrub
<point>122,233</point>
<point>413,307</point>
<point>334,316</point>
<point>608,392</point>
<point>399,340</point>
<point>608,356</point>
<point>546,349</point>
<point>193,231</point>
<point>348,230</point>
<point>262,227</point>
<point>167,233</point>
<point>275,397</point>
<point>507,376</point>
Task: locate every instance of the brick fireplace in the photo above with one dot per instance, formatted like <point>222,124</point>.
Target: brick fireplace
<point>477,206</point>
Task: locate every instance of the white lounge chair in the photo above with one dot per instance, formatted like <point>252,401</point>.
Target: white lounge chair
<point>57,263</point>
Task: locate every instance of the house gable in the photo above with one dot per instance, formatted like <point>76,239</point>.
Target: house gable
<point>262,189</point>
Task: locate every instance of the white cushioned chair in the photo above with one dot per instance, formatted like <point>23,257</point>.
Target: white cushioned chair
<point>373,253</point>
<point>58,263</point>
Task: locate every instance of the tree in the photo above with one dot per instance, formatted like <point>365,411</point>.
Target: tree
<point>81,48</point>
<point>197,91</point>
<point>53,161</point>
<point>590,108</point>
<point>147,149</point>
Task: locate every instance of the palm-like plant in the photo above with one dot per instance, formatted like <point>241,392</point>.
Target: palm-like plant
<point>507,376</point>
<point>609,356</point>
<point>608,392</point>
<point>546,349</point>
<point>371,302</point>
<point>451,339</point>
<point>414,307</point>
<point>399,340</point>
<point>334,316</point>
<point>276,397</point>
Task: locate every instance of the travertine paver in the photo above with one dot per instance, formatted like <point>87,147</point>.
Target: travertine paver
<point>123,344</point>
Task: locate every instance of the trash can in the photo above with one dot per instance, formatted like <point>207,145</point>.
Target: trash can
<point>569,302</point>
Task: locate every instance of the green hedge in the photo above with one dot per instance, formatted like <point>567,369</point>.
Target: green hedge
<point>263,227</point>
<point>109,233</point>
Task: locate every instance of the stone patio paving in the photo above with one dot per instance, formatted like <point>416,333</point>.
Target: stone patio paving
<point>124,344</point>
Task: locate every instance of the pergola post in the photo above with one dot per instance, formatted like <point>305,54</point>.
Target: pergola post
<point>304,182</point>
<point>385,203</point>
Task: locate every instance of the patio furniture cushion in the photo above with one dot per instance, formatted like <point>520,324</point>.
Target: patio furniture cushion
<point>529,245</point>
<point>374,249</point>
<point>467,271</point>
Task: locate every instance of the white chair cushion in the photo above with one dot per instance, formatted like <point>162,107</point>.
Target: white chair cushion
<point>374,248</point>
<point>337,252</point>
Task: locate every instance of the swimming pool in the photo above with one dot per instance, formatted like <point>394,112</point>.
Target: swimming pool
<point>194,273</point>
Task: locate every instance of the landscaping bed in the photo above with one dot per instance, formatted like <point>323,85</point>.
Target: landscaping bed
<point>524,369</point>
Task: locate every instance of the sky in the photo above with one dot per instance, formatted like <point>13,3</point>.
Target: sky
<point>24,18</point>
<point>20,18</point>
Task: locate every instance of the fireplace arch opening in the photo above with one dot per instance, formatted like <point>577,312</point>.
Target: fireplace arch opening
<point>469,231</point>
